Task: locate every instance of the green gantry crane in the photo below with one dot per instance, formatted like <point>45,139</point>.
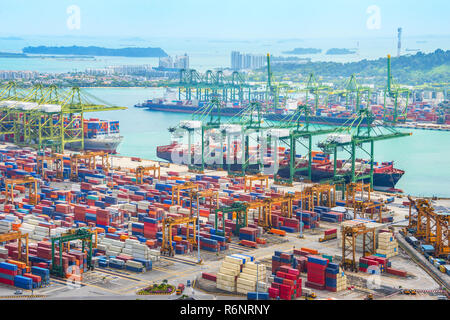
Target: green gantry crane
<point>360,131</point>
<point>394,92</point>
<point>82,234</point>
<point>355,90</point>
<point>46,116</point>
<point>203,87</point>
<point>239,208</point>
<point>296,135</point>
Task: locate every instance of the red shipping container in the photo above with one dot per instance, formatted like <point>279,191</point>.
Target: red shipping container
<point>396,272</point>
<point>209,276</point>
<point>9,272</point>
<point>6,281</point>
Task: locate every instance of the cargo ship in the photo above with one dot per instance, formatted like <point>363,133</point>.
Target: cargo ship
<point>100,135</point>
<point>385,174</point>
<point>230,109</point>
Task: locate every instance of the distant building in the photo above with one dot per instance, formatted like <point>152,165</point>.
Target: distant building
<point>166,62</point>
<point>179,62</point>
<point>240,61</point>
<point>11,75</point>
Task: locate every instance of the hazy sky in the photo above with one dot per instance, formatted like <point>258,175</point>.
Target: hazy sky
<point>239,19</point>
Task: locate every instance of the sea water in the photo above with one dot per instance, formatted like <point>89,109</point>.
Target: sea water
<point>424,155</point>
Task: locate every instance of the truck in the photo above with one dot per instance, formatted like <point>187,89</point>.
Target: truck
<point>180,289</point>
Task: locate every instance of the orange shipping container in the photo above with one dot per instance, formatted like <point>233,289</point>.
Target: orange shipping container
<point>277,231</point>
<point>312,251</point>
<point>20,265</point>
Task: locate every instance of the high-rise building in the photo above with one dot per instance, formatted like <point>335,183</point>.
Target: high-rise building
<point>181,62</point>
<point>166,62</point>
<point>240,61</point>
<point>399,45</point>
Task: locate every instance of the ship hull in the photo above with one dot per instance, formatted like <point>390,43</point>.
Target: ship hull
<point>272,116</point>
<point>227,112</point>
<point>384,181</point>
<point>319,119</point>
<point>109,145</point>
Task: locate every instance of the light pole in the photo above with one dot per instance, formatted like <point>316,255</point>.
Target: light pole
<point>301,218</point>
<point>257,278</point>
<point>301,223</point>
<point>198,229</point>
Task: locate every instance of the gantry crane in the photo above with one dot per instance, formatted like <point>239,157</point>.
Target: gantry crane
<point>361,130</point>
<point>302,130</point>
<point>365,208</point>
<point>417,220</point>
<point>316,88</point>
<point>141,171</point>
<point>83,234</point>
<point>248,181</point>
<point>202,86</point>
<point>89,159</point>
<point>28,181</point>
<point>210,197</point>
<point>430,226</point>
<point>239,210</point>
<point>394,92</point>
<point>263,214</point>
<point>322,194</point>
<point>349,236</point>
<point>17,235</point>
<point>167,224</point>
<point>177,188</point>
<point>46,116</point>
<point>40,159</point>
<point>354,90</point>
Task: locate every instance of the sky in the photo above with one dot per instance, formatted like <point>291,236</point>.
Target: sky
<point>225,19</point>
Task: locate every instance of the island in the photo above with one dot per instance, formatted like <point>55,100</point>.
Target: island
<point>340,51</point>
<point>303,51</point>
<point>12,55</point>
<point>98,51</point>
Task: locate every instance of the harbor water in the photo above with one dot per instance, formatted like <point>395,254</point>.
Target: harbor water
<point>424,156</point>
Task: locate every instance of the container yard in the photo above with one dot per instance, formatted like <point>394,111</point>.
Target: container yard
<point>221,162</point>
<point>73,225</point>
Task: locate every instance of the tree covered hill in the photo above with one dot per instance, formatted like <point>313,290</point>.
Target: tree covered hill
<point>409,69</point>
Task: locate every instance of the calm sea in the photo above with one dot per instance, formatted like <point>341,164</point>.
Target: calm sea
<point>424,155</point>
<point>208,53</point>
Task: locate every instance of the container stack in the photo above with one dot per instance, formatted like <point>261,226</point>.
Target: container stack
<point>23,282</point>
<point>316,272</point>
<point>248,236</point>
<point>228,273</point>
<point>287,284</point>
<point>329,235</point>
<point>37,282</point>
<point>150,227</point>
<point>290,225</point>
<point>251,273</point>
<point>369,265</point>
<point>310,219</point>
<point>8,272</point>
<point>387,245</point>
<point>335,280</point>
<point>281,259</point>
<point>5,226</point>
